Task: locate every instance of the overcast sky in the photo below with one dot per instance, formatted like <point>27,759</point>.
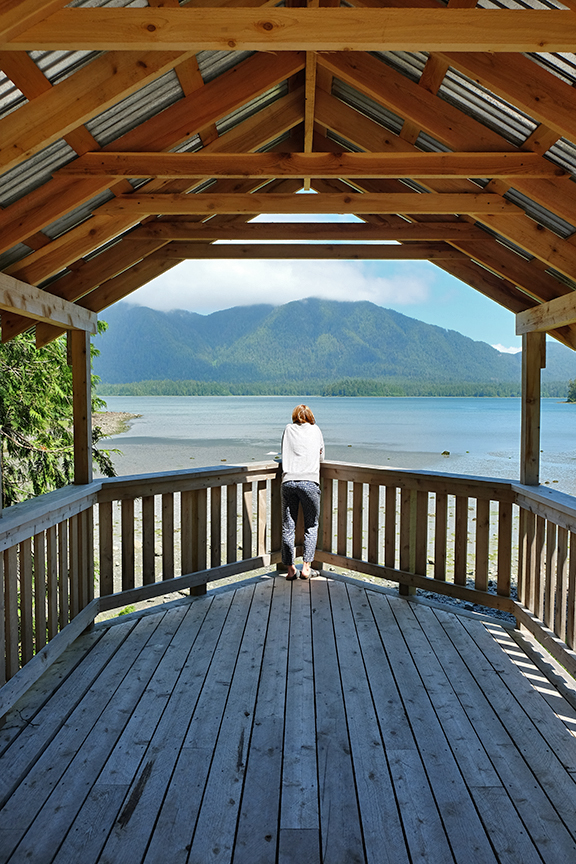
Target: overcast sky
<point>415,288</point>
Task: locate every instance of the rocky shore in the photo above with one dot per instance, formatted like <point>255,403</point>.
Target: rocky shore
<point>113,422</point>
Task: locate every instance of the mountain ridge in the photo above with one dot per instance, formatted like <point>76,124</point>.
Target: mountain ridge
<point>312,339</point>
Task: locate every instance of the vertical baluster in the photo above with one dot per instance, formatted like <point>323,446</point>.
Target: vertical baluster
<point>39,591</point>
<point>231,523</point>
<point>342,518</point>
<point>276,514</point>
<point>326,514</point>
<point>504,548</point>
<point>246,520</point>
<point>148,541</point>
<point>11,614</point>
<point>187,532</point>
<point>540,564</point>
<point>550,585</point>
<point>63,575</point>
<point>26,601</point>
<point>127,544</point>
<point>167,535</point>
<point>216,526</point>
<point>52,562</point>
<point>373,522</point>
<point>421,539</point>
<point>357,513</point>
<point>405,514</point>
<point>522,552</point>
<point>86,550</point>
<point>389,527</point>
<point>3,611</point>
<point>530,566</point>
<point>561,584</point>
<point>440,535</point>
<point>106,542</point>
<point>571,598</point>
<point>261,516</point>
<point>74,565</point>
<point>482,544</point>
<point>461,540</point>
<point>200,518</point>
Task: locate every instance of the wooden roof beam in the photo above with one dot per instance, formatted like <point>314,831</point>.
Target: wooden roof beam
<point>312,251</point>
<point>337,231</point>
<point>37,305</point>
<point>547,316</point>
<point>278,29</point>
<point>441,120</point>
<point>18,15</point>
<point>407,202</point>
<point>308,164</point>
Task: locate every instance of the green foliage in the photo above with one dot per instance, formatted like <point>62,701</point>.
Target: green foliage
<point>571,391</point>
<point>343,387</point>
<point>36,420</point>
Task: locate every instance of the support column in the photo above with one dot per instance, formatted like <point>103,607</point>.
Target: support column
<point>79,347</point>
<point>533,360</point>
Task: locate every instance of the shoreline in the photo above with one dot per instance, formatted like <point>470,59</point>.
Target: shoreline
<point>113,422</point>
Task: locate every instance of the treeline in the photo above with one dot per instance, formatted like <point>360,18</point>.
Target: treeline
<point>343,387</point>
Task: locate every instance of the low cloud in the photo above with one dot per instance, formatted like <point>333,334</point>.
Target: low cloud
<point>206,286</point>
<point>504,350</point>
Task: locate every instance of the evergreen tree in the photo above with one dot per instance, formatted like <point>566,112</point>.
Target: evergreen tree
<point>36,434</point>
<point>571,391</point>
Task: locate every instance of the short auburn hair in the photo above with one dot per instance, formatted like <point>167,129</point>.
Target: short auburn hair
<point>303,414</point>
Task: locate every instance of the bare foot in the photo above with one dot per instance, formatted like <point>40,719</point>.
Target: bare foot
<point>292,572</point>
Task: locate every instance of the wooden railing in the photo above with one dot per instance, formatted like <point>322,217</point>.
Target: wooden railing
<point>71,554</point>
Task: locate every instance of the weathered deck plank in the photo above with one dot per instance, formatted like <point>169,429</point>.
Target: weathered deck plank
<point>280,722</point>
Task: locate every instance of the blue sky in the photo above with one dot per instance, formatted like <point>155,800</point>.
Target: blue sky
<point>414,288</point>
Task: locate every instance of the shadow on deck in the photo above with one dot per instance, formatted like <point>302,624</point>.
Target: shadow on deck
<point>291,722</point>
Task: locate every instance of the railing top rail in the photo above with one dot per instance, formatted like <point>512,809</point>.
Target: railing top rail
<point>456,484</point>
<point>138,485</point>
<point>23,520</point>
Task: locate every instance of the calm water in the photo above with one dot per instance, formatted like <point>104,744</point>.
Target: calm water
<point>482,435</point>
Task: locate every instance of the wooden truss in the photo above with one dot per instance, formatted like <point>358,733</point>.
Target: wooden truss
<point>322,105</point>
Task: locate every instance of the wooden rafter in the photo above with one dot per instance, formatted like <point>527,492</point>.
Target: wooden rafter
<point>308,164</point>
<point>406,202</point>
<point>548,316</point>
<point>341,29</point>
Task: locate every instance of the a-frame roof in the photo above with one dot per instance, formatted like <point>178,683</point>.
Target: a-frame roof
<point>447,127</point>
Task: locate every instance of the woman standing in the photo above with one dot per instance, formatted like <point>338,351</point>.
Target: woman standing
<point>302,452</point>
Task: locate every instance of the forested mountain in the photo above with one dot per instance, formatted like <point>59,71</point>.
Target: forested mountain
<point>304,340</point>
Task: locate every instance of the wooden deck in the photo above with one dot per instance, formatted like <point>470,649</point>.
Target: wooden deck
<point>291,722</point>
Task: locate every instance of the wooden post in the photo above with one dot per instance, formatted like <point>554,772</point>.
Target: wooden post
<point>533,360</point>
<point>79,345</point>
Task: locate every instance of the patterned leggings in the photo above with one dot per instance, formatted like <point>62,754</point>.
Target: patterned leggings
<point>307,493</point>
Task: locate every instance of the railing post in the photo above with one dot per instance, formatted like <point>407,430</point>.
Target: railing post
<point>82,405</point>
<point>533,360</point>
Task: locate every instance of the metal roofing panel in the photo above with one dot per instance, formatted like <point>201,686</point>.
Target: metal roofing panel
<point>35,171</point>
<point>76,216</point>
<point>540,214</point>
<point>409,64</point>
<point>250,108</point>
<point>483,105</point>
<point>10,96</point>
<point>562,65</point>
<point>367,106</point>
<point>13,255</point>
<point>136,108</point>
<point>215,63</point>
<point>563,153</point>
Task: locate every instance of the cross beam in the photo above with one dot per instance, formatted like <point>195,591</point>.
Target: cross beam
<point>314,251</point>
<point>317,165</point>
<point>408,202</point>
<point>296,29</point>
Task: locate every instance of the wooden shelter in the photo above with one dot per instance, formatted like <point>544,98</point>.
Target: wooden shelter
<point>135,134</point>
